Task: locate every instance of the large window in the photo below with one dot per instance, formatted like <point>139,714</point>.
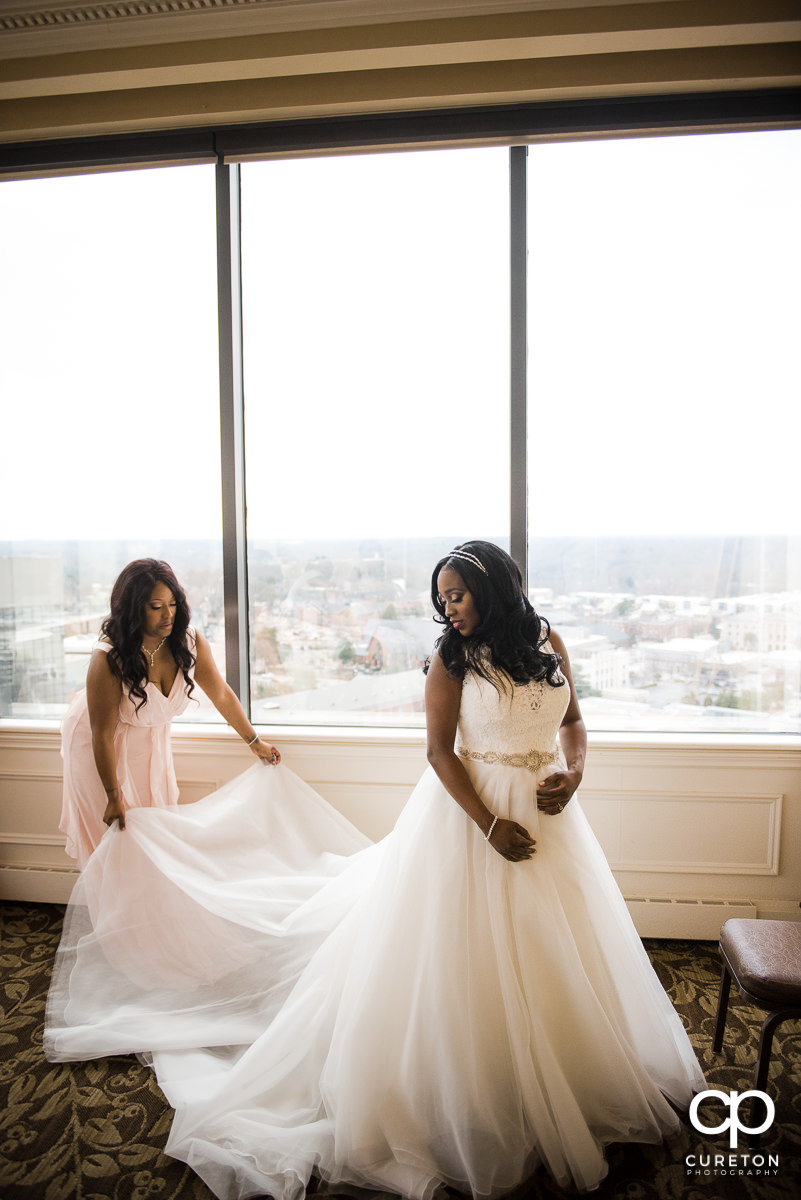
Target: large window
<point>663,382</point>
<point>663,419</point>
<point>376,306</point>
<point>111,439</point>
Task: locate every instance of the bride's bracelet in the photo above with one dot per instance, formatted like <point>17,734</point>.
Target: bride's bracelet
<point>488,834</point>
<point>253,740</point>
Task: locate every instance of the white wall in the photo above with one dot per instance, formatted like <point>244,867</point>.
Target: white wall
<point>683,822</point>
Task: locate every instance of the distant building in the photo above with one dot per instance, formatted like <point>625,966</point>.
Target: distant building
<point>763,628</point>
<point>679,658</point>
<point>31,632</point>
<point>403,645</point>
<point>662,628</point>
<point>604,665</point>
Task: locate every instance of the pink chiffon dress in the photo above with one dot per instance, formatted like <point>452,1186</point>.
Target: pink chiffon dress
<point>143,751</point>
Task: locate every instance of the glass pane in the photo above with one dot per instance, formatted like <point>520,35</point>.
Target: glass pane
<point>376,415</point>
<point>109,370</point>
<point>664,316</point>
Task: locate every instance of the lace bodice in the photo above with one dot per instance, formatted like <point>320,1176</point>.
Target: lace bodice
<point>521,719</point>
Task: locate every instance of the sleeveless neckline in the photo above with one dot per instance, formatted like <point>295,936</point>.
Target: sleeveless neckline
<point>105,645</point>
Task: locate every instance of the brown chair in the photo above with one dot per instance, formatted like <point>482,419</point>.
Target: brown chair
<point>764,960</point>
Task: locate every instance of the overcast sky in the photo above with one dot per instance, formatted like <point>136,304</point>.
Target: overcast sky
<point>663,344</point>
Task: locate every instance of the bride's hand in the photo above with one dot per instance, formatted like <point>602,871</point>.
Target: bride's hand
<point>512,841</point>
<point>554,792</point>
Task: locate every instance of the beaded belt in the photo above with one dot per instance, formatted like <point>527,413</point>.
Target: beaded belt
<point>532,760</point>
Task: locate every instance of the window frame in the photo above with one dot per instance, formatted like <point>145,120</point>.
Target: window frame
<point>516,126</point>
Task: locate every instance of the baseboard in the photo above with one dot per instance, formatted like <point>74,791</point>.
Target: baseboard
<point>37,885</point>
<point>778,910</point>
<point>673,917</point>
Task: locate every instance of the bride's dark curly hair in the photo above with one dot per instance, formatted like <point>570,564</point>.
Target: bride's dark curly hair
<point>509,640</point>
<point>123,626</point>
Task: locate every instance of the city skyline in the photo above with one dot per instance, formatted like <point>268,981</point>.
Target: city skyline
<point>691,635</point>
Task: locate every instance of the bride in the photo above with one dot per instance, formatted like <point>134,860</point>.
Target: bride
<point>459,1004</point>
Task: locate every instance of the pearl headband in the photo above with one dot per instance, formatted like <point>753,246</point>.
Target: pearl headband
<point>469,558</point>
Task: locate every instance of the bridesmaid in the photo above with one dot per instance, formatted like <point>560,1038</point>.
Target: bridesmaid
<point>115,738</point>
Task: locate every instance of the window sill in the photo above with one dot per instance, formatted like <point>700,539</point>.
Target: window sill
<point>15,731</point>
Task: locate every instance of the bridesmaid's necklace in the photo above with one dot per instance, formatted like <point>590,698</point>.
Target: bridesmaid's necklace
<point>152,656</point>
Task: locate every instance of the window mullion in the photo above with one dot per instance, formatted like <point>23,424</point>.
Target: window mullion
<point>232,431</point>
<point>518,249</point>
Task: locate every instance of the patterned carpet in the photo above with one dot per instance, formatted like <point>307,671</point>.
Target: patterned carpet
<point>84,1131</point>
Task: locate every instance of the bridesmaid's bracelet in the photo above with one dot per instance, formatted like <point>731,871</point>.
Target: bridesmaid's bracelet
<point>252,740</point>
<point>488,834</point>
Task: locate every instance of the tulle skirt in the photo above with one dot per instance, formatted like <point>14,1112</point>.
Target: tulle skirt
<point>391,1016</point>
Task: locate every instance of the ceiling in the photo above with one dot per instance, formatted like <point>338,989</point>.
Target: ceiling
<point>71,69</point>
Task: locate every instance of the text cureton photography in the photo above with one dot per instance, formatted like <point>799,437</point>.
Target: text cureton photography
<point>733,1164</point>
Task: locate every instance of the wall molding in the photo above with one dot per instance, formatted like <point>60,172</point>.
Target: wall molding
<point>740,831</point>
<point>284,13</point>
<point>31,776</point>
<point>208,17</point>
<point>33,27</point>
<point>32,839</point>
<point>628,814</point>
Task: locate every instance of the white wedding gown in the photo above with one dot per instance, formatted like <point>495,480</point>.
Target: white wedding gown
<point>391,1016</point>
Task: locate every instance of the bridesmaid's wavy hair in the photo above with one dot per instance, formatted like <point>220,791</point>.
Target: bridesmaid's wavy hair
<point>509,628</point>
<point>123,626</point>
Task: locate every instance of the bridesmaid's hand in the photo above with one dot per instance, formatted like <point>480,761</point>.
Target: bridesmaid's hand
<point>512,841</point>
<point>268,754</point>
<point>554,792</point>
<point>115,809</point>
